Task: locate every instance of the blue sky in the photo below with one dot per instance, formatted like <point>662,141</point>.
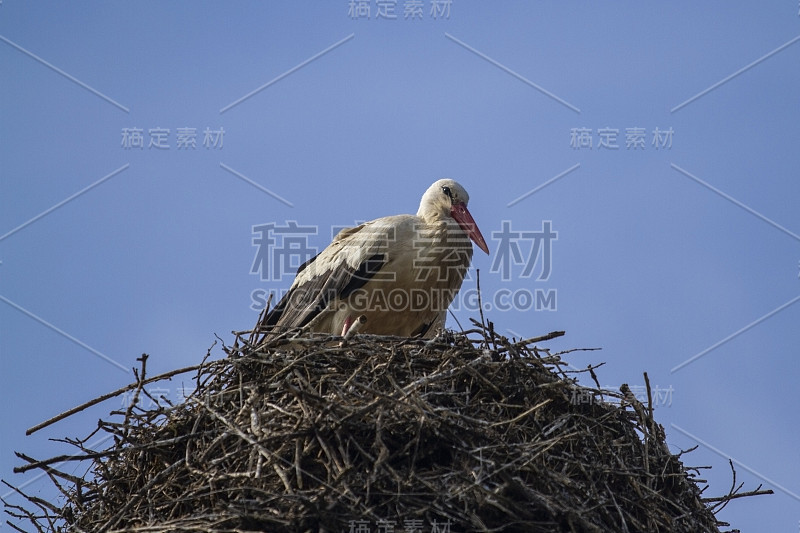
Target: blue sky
<point>665,251</point>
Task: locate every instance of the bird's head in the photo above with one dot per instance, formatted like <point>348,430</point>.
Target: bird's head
<point>448,199</point>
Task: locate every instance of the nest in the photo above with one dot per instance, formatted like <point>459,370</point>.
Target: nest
<point>377,434</point>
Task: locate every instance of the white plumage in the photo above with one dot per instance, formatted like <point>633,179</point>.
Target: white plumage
<point>396,275</point>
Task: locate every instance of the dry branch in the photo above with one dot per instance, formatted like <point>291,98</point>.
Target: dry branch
<point>309,434</point>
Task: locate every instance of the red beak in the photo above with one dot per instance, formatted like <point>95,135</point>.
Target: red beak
<point>461,215</point>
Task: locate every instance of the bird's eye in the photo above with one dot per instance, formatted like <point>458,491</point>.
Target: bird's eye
<point>447,192</point>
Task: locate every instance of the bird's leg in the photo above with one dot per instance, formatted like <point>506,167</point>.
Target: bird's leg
<point>351,326</point>
<point>347,323</point>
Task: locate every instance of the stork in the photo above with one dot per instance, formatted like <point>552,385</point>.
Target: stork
<point>395,275</point>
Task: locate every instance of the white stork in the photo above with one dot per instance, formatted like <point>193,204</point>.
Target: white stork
<point>396,275</point>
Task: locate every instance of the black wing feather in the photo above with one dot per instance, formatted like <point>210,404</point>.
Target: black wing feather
<point>303,303</point>
<point>365,272</point>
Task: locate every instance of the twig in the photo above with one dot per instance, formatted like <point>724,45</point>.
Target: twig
<point>733,493</point>
<point>163,473</point>
<point>104,397</point>
<point>729,497</point>
<point>480,306</point>
<point>549,336</point>
<point>313,433</point>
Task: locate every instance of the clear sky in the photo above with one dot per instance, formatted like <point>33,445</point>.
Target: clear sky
<point>648,153</point>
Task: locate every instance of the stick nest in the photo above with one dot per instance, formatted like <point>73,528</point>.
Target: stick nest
<point>382,434</point>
